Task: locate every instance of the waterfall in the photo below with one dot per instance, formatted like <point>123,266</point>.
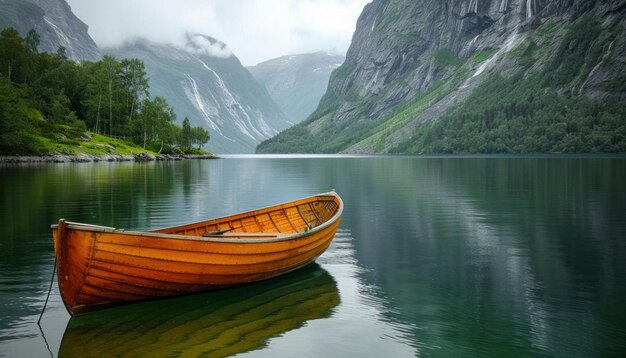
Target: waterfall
<point>513,40</point>
<point>473,6</point>
<point>471,43</point>
<point>63,39</point>
<point>503,5</point>
<point>241,116</point>
<point>199,103</point>
<point>510,42</point>
<point>595,68</point>
<point>529,8</point>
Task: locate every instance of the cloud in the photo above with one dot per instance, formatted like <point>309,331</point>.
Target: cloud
<point>255,30</point>
<point>206,45</point>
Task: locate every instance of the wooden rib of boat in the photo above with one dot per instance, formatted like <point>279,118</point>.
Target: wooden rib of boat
<point>99,266</point>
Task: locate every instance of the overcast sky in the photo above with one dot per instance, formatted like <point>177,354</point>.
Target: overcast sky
<point>255,30</point>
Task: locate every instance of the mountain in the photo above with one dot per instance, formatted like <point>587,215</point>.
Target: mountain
<point>297,82</point>
<point>205,82</point>
<point>474,76</point>
<point>54,22</point>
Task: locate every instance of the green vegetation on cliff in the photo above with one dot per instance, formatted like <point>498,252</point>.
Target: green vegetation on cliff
<point>48,103</point>
<point>527,114</point>
<point>519,116</point>
<point>552,83</point>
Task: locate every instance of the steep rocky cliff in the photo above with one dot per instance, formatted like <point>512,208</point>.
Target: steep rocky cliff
<point>205,82</point>
<point>416,65</point>
<point>54,22</point>
<point>297,82</point>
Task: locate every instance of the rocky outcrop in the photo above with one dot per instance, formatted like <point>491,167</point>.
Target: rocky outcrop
<point>297,82</point>
<point>54,22</point>
<point>205,82</point>
<point>429,53</point>
<point>86,158</point>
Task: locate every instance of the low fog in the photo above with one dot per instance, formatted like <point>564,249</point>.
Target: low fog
<point>254,30</point>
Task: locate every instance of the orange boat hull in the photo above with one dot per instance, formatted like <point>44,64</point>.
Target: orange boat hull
<point>99,267</point>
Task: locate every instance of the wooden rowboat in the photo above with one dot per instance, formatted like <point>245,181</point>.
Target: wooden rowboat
<point>99,266</point>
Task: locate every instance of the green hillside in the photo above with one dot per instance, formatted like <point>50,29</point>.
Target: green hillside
<point>51,104</point>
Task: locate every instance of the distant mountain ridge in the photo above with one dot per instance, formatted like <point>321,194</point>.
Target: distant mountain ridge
<point>474,76</point>
<point>297,82</point>
<point>202,79</point>
<point>205,82</point>
<point>54,22</point>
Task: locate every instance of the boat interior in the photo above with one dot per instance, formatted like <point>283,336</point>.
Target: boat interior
<point>289,218</point>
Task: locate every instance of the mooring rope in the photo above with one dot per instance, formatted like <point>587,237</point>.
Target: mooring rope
<point>54,269</point>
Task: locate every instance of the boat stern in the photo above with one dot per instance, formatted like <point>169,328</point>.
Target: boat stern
<point>72,250</point>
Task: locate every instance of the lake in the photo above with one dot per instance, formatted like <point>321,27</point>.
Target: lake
<point>442,256</point>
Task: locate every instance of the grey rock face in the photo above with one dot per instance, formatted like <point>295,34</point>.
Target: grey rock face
<point>56,24</point>
<point>206,83</point>
<point>397,38</point>
<point>297,82</point>
<point>404,49</point>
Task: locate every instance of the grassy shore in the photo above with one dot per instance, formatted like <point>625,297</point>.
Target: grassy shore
<point>92,147</point>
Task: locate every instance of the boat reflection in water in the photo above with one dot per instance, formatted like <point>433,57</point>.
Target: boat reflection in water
<point>215,324</point>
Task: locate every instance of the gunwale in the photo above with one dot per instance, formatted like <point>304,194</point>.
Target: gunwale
<point>234,238</point>
<point>264,254</point>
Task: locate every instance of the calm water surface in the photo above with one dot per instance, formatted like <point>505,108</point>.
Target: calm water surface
<point>439,256</point>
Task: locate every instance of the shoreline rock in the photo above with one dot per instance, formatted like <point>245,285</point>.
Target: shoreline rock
<point>94,158</point>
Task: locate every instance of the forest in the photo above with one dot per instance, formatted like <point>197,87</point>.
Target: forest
<point>538,113</point>
<point>47,100</point>
<point>519,116</point>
